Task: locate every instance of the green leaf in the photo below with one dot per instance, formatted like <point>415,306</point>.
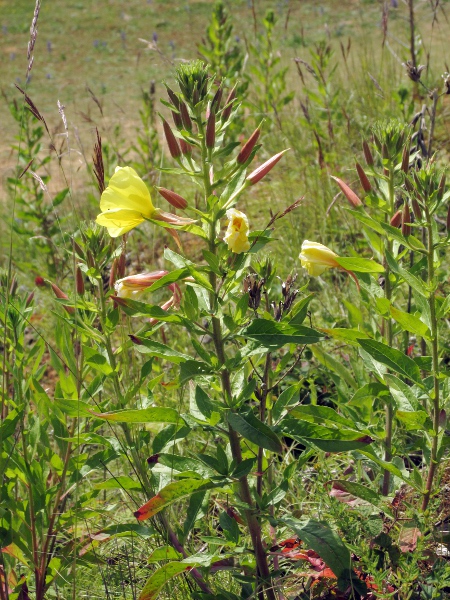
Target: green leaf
<point>328,544</point>
<point>342,334</point>
<point>272,334</point>
<point>409,322</point>
<point>393,359</point>
<point>416,283</point>
<point>160,577</point>
<point>334,365</point>
<point>325,438</point>
<point>164,553</point>
<point>148,346</point>
<point>97,361</point>
<point>410,241</point>
<point>364,218</point>
<point>360,265</point>
<point>300,310</point>
<point>288,397</point>
<point>362,492</point>
<point>133,308</point>
<point>144,415</point>
<point>194,368</point>
<point>255,431</point>
<point>323,415</point>
<point>121,482</point>
<point>171,493</point>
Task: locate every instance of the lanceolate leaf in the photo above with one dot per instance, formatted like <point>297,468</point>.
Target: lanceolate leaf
<point>160,577</point>
<point>323,540</point>
<point>272,334</point>
<point>171,493</point>
<point>326,438</point>
<point>148,346</point>
<point>335,365</point>
<point>362,492</point>
<point>145,415</point>
<point>392,358</point>
<point>360,265</point>
<point>255,431</point>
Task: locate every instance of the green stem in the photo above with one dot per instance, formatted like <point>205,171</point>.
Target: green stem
<point>387,327</point>
<point>435,367</point>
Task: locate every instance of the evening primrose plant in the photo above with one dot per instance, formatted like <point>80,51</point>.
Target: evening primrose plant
<point>246,337</point>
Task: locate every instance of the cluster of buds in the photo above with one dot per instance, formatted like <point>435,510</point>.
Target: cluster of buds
<point>413,71</point>
<point>253,286</point>
<point>289,293</point>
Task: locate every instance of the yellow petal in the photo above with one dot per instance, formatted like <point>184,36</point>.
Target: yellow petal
<point>120,220</point>
<point>127,190</point>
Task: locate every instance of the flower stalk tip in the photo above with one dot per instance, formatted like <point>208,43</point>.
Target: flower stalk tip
<point>172,143</point>
<point>348,192</point>
<point>173,198</point>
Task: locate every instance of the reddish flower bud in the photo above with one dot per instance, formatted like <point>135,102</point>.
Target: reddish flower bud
<point>262,171</point>
<point>77,249</point>
<point>406,220</point>
<point>416,209</point>
<point>229,103</point>
<point>79,281</point>
<point>348,193</point>
<point>177,120</point>
<point>397,219</point>
<point>247,148</point>
<point>173,98</point>
<point>121,265</point>
<point>39,281</point>
<point>211,130</point>
<point>29,299</point>
<point>185,117</point>
<point>62,296</point>
<point>363,178</point>
<point>441,188</point>
<point>405,159</point>
<point>186,148</point>
<point>215,103</point>
<point>368,154</point>
<point>112,274</point>
<point>174,148</point>
<point>173,198</point>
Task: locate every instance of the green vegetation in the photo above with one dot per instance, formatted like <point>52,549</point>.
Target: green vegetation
<point>224,301</point>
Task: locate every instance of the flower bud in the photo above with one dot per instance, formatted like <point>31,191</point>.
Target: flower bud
<point>363,178</point>
<point>368,154</point>
<point>112,274</point>
<point>13,286</point>
<point>406,220</point>
<point>211,130</point>
<point>185,117</point>
<point>247,148</point>
<point>396,219</point>
<point>441,188</point>
<point>177,120</point>
<point>348,193</point>
<point>215,103</point>
<point>39,281</point>
<point>121,265</point>
<point>173,98</point>
<point>229,103</point>
<point>173,198</point>
<point>77,249</point>
<point>262,171</point>
<point>405,159</point>
<point>174,148</point>
<point>186,148</point>
<point>62,296</point>
<point>79,281</point>
<point>29,299</point>
<point>416,209</point>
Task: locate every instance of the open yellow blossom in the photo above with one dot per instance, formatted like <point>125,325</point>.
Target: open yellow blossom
<point>126,202</point>
<point>316,258</point>
<point>236,235</point>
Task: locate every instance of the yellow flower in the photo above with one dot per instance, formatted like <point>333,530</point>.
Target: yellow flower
<point>134,286</point>
<point>126,202</point>
<point>316,258</point>
<point>236,235</point>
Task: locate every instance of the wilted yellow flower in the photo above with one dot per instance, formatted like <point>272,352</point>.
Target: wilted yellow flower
<point>316,258</point>
<point>236,235</point>
<point>134,286</point>
<point>126,203</point>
